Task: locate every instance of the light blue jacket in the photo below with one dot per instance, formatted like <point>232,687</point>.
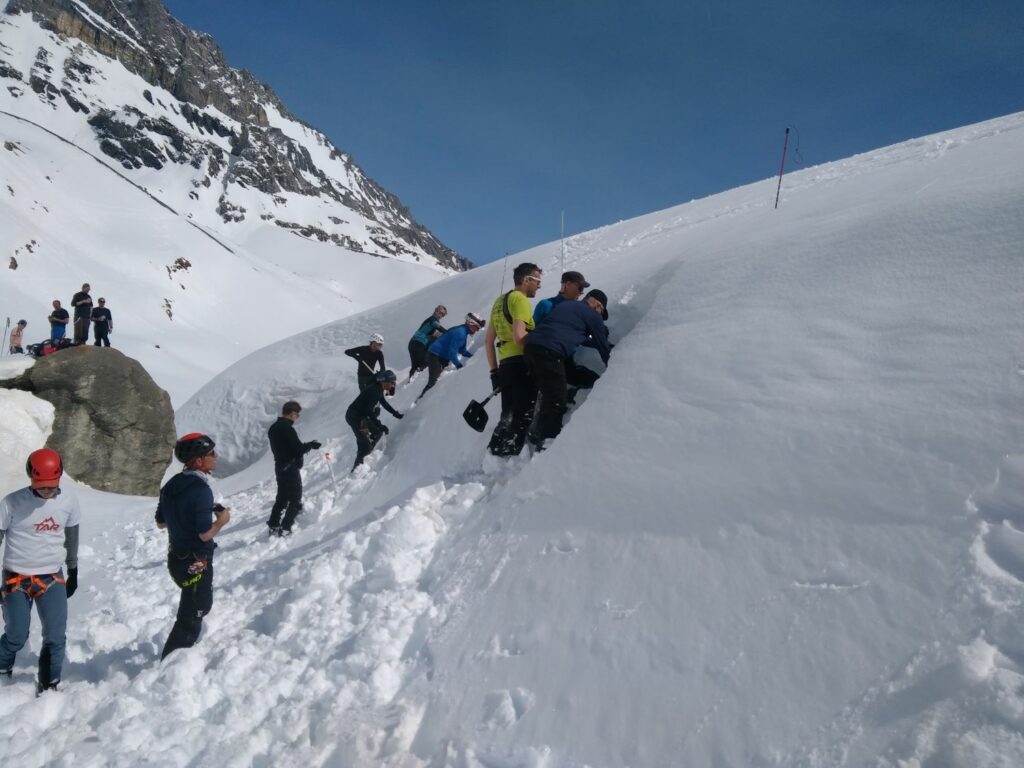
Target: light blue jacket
<point>452,344</point>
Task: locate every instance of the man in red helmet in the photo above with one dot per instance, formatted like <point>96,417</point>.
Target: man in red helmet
<point>187,511</point>
<point>39,525</point>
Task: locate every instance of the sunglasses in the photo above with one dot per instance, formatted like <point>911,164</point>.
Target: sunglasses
<point>534,278</point>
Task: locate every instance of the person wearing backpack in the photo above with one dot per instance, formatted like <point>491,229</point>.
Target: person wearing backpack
<point>288,452</point>
<point>187,511</point>
<point>448,348</point>
<point>369,356</point>
<point>429,330</point>
<point>511,320</point>
<point>361,414</point>
<point>39,531</point>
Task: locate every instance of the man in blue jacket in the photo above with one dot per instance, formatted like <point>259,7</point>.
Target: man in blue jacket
<point>573,286</point>
<point>448,348</point>
<point>551,344</point>
<point>187,511</point>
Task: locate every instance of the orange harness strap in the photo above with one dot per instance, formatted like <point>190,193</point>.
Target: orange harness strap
<point>30,584</point>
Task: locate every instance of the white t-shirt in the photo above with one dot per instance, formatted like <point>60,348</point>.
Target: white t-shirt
<point>34,530</point>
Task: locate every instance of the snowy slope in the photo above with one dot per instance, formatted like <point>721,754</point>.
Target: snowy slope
<point>783,530</point>
<point>186,302</point>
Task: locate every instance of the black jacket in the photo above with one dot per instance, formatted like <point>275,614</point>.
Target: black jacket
<point>371,396</point>
<point>368,359</point>
<point>288,450</point>
<point>186,508</point>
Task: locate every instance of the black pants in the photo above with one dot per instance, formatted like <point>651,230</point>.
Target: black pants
<point>435,365</point>
<point>518,396</point>
<point>193,573</point>
<point>289,498</point>
<point>548,369</point>
<point>81,329</point>
<point>99,330</point>
<point>368,431</point>
<point>417,357</point>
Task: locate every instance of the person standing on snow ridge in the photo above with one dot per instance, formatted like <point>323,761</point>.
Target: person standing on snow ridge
<point>570,324</point>
<point>82,303</point>
<point>102,323</point>
<point>369,357</point>
<point>40,526</point>
<point>17,333</point>
<point>288,451</point>
<point>187,511</point>
<point>511,319</point>
<point>573,286</point>
<point>361,414</point>
<point>58,320</point>
<point>448,348</point>
<point>428,331</point>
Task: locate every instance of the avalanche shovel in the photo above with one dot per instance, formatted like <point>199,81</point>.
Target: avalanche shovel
<point>475,413</point>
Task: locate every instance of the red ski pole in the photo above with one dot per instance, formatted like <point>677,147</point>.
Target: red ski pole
<point>782,167</point>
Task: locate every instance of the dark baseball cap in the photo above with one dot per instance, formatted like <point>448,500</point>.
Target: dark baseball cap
<point>575,277</point>
<point>600,296</point>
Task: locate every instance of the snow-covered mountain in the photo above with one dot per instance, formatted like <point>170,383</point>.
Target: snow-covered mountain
<point>125,80</point>
<point>784,529</point>
<point>133,158</point>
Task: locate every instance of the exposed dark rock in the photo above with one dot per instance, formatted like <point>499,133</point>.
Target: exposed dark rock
<point>113,426</point>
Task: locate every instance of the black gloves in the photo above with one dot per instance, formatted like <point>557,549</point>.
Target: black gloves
<point>399,415</point>
<point>313,445</point>
<point>495,381</point>
<point>71,583</point>
<point>384,429</point>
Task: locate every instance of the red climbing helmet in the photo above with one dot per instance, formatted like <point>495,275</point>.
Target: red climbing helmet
<point>44,468</point>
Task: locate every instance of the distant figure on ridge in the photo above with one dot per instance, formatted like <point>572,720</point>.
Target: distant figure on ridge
<point>361,415</point>
<point>288,451</point>
<point>369,357</point>
<point>428,331</point>
<point>187,511</point>
<point>82,303</point>
<point>551,346</point>
<point>449,346</point>
<point>17,333</point>
<point>58,320</point>
<point>40,526</point>
<point>102,323</point>
<point>511,319</point>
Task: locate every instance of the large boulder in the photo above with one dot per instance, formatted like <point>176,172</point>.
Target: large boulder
<point>113,426</point>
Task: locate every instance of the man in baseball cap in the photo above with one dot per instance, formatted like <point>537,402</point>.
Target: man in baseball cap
<point>573,286</point>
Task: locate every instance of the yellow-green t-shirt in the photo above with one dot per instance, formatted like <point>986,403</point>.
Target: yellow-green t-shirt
<point>519,308</point>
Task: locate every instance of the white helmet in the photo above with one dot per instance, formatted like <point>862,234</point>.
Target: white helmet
<point>475,319</point>
<point>376,339</point>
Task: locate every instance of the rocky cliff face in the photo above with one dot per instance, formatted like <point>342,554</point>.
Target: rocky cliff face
<point>246,158</point>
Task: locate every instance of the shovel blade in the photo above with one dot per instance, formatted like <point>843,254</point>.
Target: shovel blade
<point>475,415</point>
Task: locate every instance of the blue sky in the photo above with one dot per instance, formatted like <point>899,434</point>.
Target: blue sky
<point>488,119</point>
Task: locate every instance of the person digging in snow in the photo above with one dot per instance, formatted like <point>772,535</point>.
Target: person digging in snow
<point>449,346</point>
<point>369,356</point>
<point>361,414</point>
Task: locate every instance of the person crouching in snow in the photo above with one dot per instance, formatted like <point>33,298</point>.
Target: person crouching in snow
<point>39,524</point>
<point>361,414</point>
<point>448,347</point>
<point>187,511</point>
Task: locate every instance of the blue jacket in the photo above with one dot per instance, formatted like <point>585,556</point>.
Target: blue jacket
<point>570,324</point>
<point>186,507</point>
<point>428,326</point>
<point>545,306</point>
<point>452,344</point>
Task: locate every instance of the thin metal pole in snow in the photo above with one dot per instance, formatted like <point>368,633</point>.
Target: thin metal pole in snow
<point>782,167</point>
<point>563,242</point>
<point>6,329</point>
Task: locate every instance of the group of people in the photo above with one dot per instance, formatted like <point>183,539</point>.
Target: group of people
<point>530,352</point>
<point>85,313</point>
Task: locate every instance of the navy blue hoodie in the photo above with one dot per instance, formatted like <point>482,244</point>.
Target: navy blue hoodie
<point>570,324</point>
<point>186,507</point>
